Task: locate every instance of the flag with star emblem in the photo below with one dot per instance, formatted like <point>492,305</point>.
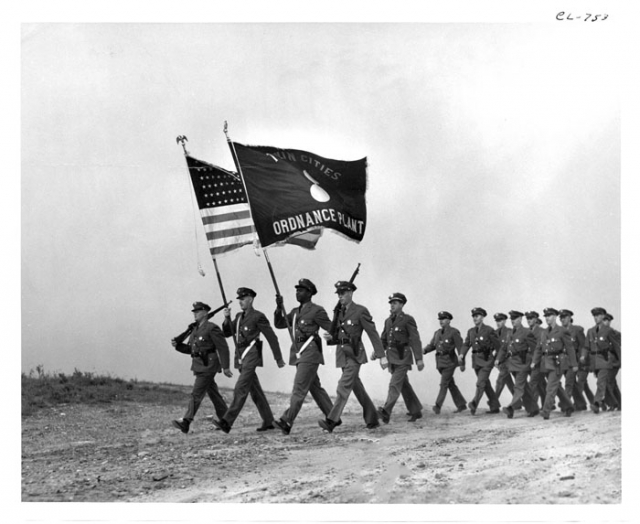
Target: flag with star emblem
<point>224,209</point>
<point>292,192</point>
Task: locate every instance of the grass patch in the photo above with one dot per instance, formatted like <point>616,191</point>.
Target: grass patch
<point>41,389</point>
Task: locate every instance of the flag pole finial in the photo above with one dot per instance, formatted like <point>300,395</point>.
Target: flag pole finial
<point>181,139</point>
<point>225,130</point>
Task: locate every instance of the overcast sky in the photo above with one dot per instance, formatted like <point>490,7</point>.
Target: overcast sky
<point>493,179</point>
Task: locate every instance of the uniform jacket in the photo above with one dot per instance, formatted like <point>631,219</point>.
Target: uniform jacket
<point>555,349</point>
<point>503,335</point>
<point>247,327</point>
<point>207,338</point>
<point>484,344</point>
<point>351,324</point>
<point>401,340</point>
<point>603,347</point>
<point>578,338</point>
<point>447,343</point>
<point>617,362</point>
<point>306,320</point>
<point>517,351</point>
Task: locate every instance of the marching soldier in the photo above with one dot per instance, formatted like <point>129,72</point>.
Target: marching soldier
<point>516,355</point>
<point>572,387</point>
<point>484,343</point>
<point>210,355</point>
<point>613,398</point>
<point>504,377</point>
<point>246,330</point>
<point>537,382</point>
<point>306,351</point>
<point>601,344</point>
<point>447,343</point>
<point>401,341</point>
<point>353,319</point>
<point>555,354</point>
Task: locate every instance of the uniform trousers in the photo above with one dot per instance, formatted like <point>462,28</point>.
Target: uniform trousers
<point>504,379</point>
<point>205,384</point>
<point>483,386</point>
<point>538,385</point>
<point>522,392</point>
<point>582,386</point>
<point>613,397</point>
<point>554,387</point>
<point>306,381</point>
<point>248,384</point>
<point>447,383</point>
<point>350,381</point>
<point>602,380</point>
<point>399,385</point>
<point>570,387</point>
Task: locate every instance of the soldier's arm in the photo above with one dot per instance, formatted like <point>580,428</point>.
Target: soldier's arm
<point>228,327</point>
<point>266,329</point>
<point>615,344</point>
<point>414,338</point>
<point>221,346</point>
<point>571,352</point>
<point>466,345</point>
<point>369,326</point>
<point>537,352</point>
<point>322,318</point>
<point>431,346</point>
<point>502,352</point>
<point>280,320</point>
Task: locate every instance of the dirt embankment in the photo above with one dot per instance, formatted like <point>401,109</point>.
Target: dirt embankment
<point>130,452</point>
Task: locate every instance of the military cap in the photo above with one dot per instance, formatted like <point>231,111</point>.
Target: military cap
<point>399,297</point>
<point>515,314</point>
<point>539,321</point>
<point>566,313</point>
<point>608,316</point>
<point>499,316</point>
<point>478,311</point>
<point>445,314</point>
<point>305,283</point>
<point>548,311</point>
<point>344,285</point>
<point>532,314</point>
<point>197,306</point>
<point>598,311</point>
<point>245,292</point>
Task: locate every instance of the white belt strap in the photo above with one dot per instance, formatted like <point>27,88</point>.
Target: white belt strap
<point>304,346</point>
<point>244,353</point>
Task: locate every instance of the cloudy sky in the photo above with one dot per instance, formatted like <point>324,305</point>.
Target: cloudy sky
<point>494,153</point>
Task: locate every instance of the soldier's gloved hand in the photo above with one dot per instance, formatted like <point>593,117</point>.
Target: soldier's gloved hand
<point>582,360</point>
<point>327,337</point>
<point>461,360</point>
<point>173,342</point>
<point>420,365</point>
<point>574,369</point>
<point>373,356</point>
<point>532,365</point>
<point>496,363</point>
<point>280,363</point>
<point>424,350</point>
<point>227,373</point>
<point>279,301</point>
<point>383,363</point>
<point>227,312</point>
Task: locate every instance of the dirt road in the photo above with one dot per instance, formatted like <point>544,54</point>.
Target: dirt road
<point>130,452</point>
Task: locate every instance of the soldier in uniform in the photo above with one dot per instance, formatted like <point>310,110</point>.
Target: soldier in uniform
<point>504,377</point>
<point>571,386</point>
<point>353,319</point>
<point>484,343</point>
<point>401,341</point>
<point>613,398</point>
<point>516,355</point>
<point>601,344</point>
<point>206,344</point>
<point>306,351</point>
<point>555,354</point>
<point>537,382</point>
<point>246,330</point>
<point>447,343</point>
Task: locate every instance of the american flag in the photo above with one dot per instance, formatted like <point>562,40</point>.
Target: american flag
<point>225,211</point>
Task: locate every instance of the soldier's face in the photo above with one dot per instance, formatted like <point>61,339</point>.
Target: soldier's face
<point>303,294</point>
<point>345,297</point>
<point>500,323</point>
<point>477,319</point>
<point>199,314</point>
<point>606,322</point>
<point>395,306</point>
<point>516,322</point>
<point>598,318</point>
<point>565,321</point>
<point>531,321</point>
<point>245,302</point>
<point>550,320</point>
<point>444,322</point>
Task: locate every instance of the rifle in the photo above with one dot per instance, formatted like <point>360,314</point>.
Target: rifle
<point>182,336</point>
<point>336,310</point>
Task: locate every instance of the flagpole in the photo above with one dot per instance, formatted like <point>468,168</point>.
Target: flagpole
<point>181,139</point>
<point>264,250</point>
